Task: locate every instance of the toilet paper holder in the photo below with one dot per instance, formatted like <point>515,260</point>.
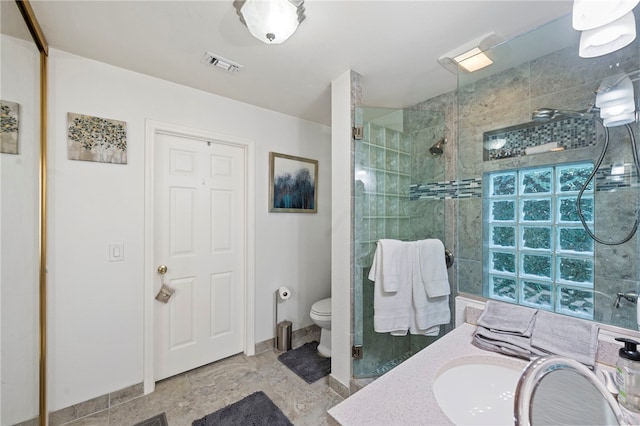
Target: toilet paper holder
<point>282,340</point>
<point>283,293</point>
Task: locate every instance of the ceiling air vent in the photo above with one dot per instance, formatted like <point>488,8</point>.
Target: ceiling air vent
<point>219,62</point>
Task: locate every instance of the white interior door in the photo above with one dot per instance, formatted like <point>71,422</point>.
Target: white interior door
<point>199,235</point>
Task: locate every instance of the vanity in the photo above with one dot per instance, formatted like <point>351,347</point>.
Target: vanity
<point>451,382</point>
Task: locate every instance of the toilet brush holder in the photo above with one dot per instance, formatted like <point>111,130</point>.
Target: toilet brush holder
<point>283,336</point>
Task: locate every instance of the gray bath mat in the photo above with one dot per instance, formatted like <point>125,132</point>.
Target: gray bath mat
<point>159,420</point>
<point>256,410</point>
<point>306,362</point>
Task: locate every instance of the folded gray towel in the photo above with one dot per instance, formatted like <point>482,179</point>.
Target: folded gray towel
<point>505,350</point>
<point>566,336</point>
<point>507,318</point>
<point>507,343</point>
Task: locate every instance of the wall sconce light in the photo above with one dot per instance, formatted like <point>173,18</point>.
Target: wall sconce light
<point>472,56</point>
<point>271,21</point>
<point>616,100</point>
<point>606,25</point>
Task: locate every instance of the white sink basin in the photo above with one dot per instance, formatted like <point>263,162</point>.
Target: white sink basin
<point>476,391</point>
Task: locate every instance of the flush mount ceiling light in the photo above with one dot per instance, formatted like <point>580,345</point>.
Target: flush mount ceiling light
<point>271,21</point>
<point>606,25</point>
<point>471,56</point>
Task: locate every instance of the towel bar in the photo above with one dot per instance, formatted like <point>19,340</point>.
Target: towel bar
<point>448,257</point>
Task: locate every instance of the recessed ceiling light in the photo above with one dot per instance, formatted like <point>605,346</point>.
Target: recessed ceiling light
<point>473,60</point>
<point>471,56</point>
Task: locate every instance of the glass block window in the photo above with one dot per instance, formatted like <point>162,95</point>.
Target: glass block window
<point>537,252</point>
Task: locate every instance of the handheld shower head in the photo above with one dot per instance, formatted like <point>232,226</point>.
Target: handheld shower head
<point>438,148</point>
<point>542,114</point>
<point>547,114</point>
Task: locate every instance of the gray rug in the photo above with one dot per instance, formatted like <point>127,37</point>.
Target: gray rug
<point>306,362</point>
<point>159,420</point>
<point>256,410</point>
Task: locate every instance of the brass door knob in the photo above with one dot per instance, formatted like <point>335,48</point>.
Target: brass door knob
<point>162,269</point>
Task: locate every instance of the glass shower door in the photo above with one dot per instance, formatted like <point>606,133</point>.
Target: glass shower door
<point>395,196</point>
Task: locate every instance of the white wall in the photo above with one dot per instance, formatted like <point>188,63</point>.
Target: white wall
<point>341,228</point>
<point>96,306</point>
<point>20,83</point>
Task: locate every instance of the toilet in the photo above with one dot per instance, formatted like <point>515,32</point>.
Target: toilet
<point>321,315</point>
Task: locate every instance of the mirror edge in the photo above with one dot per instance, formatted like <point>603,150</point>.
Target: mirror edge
<point>41,43</point>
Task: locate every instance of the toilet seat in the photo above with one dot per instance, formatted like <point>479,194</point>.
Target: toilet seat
<point>322,308</point>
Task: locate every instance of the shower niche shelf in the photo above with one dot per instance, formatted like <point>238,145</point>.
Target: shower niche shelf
<point>533,138</point>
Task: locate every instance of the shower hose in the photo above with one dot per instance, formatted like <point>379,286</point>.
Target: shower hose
<point>592,175</point>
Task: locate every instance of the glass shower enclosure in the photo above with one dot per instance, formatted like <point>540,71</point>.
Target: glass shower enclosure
<point>398,194</point>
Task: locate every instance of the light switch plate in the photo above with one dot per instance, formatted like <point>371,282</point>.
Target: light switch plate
<point>116,252</point>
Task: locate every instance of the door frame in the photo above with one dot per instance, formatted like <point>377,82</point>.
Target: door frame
<point>153,128</point>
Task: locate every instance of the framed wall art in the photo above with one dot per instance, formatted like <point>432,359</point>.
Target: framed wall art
<point>96,139</point>
<point>293,184</point>
<point>9,127</point>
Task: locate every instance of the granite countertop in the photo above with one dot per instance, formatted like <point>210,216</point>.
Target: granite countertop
<point>404,395</point>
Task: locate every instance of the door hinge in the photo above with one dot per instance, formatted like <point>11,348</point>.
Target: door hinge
<point>357,351</point>
<point>356,132</point>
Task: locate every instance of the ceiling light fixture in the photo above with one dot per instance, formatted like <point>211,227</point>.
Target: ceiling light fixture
<point>606,25</point>
<point>616,100</point>
<point>471,56</point>
<point>473,60</point>
<point>271,21</point>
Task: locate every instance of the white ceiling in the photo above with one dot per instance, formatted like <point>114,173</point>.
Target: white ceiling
<point>394,45</point>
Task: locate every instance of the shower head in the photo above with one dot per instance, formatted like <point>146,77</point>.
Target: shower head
<point>546,114</point>
<point>438,148</point>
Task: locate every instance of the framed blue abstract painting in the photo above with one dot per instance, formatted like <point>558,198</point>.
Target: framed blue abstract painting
<point>293,184</point>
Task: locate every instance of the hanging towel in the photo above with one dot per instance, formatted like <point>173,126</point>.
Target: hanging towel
<point>502,317</point>
<point>566,336</point>
<point>432,267</point>
<point>388,262</point>
<point>429,311</point>
<point>392,290</point>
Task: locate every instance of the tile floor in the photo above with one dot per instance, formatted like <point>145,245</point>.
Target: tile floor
<point>196,393</point>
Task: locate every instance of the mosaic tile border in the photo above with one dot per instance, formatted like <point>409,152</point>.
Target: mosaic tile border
<point>472,188</point>
<point>390,365</point>
<point>513,141</point>
<point>465,188</point>
<point>605,181</point>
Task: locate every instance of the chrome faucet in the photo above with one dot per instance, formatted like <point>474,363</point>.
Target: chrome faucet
<point>538,369</point>
<point>631,296</point>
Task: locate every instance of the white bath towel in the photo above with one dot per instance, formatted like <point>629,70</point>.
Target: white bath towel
<point>388,262</point>
<point>391,274</point>
<point>432,267</point>
<point>429,311</point>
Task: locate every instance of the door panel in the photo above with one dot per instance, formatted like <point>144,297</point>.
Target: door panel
<point>200,236</point>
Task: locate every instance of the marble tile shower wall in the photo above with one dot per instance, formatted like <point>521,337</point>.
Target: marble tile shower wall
<point>435,217</point>
<point>560,80</point>
<point>431,215</point>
